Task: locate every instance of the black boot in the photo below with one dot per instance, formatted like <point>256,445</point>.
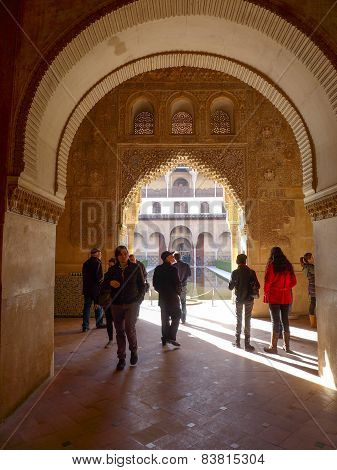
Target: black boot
<point>248,346</point>
<point>121,364</point>
<point>133,358</point>
<point>236,343</point>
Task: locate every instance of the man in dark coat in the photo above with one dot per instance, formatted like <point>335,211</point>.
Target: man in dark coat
<point>92,276</point>
<point>184,272</point>
<point>244,281</point>
<point>167,283</point>
<point>127,292</point>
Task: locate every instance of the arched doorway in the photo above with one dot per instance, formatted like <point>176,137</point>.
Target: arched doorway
<point>38,192</point>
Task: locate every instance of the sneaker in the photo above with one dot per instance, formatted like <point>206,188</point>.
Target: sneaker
<point>102,325</point>
<point>163,342</point>
<point>133,358</point>
<point>85,329</point>
<point>249,348</point>
<point>174,343</point>
<point>108,344</point>
<point>121,364</point>
<point>236,344</point>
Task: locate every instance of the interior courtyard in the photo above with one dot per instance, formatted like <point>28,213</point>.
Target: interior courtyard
<point>207,128</point>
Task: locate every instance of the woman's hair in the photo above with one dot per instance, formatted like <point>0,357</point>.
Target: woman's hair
<point>112,260</point>
<point>119,249</point>
<point>307,256</point>
<point>280,261</point>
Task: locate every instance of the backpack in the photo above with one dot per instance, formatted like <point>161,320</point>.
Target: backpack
<point>254,290</point>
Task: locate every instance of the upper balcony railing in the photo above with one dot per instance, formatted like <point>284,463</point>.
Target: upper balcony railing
<point>184,216</point>
<point>181,192</point>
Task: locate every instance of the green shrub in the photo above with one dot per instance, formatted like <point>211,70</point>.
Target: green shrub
<point>225,265</point>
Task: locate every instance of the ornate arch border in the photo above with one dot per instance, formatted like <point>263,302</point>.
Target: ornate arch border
<point>122,14</point>
<point>188,59</point>
<point>146,163</point>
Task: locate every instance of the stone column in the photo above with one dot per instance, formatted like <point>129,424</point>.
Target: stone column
<point>233,223</point>
<point>131,237</point>
<point>122,234</point>
<point>130,220</point>
<point>167,180</point>
<point>194,175</point>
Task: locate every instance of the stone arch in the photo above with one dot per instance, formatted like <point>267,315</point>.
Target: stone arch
<point>227,167</point>
<point>139,240</point>
<point>201,254</point>
<point>286,39</point>
<point>211,62</point>
<point>178,230</point>
<point>156,244</point>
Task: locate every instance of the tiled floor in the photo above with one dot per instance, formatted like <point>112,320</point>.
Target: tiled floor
<point>207,395</point>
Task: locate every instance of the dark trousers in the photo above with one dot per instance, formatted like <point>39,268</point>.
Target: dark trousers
<point>248,315</point>
<point>88,301</point>
<point>312,306</point>
<point>170,318</point>
<point>279,315</point>
<point>183,303</point>
<point>125,318</point>
<point>109,323</point>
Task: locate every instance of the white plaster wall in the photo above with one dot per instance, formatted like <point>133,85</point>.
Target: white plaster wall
<point>197,33</point>
<point>325,234</point>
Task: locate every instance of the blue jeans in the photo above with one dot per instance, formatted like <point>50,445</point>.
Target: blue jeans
<point>88,300</point>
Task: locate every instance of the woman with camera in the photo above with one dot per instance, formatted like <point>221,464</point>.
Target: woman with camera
<point>308,267</point>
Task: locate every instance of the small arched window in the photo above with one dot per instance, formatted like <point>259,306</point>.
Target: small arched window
<point>156,208</point>
<point>204,208</point>
<point>220,122</point>
<point>182,123</point>
<point>181,182</point>
<point>144,123</point>
<point>180,208</point>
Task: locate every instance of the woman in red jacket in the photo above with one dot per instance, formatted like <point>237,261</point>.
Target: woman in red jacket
<point>278,281</point>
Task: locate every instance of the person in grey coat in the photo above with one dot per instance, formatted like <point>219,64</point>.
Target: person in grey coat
<point>167,283</point>
<point>244,281</point>
<point>308,267</point>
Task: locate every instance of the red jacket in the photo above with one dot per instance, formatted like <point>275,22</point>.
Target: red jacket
<point>277,286</point>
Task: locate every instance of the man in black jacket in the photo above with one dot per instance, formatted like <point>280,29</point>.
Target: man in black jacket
<point>127,292</point>
<point>92,276</point>
<point>244,281</point>
<point>166,281</point>
<point>184,272</point>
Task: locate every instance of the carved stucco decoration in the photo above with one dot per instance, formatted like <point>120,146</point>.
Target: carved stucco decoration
<point>269,174</point>
<point>269,221</point>
<point>189,60</point>
<point>23,202</point>
<point>143,165</point>
<point>324,208</point>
